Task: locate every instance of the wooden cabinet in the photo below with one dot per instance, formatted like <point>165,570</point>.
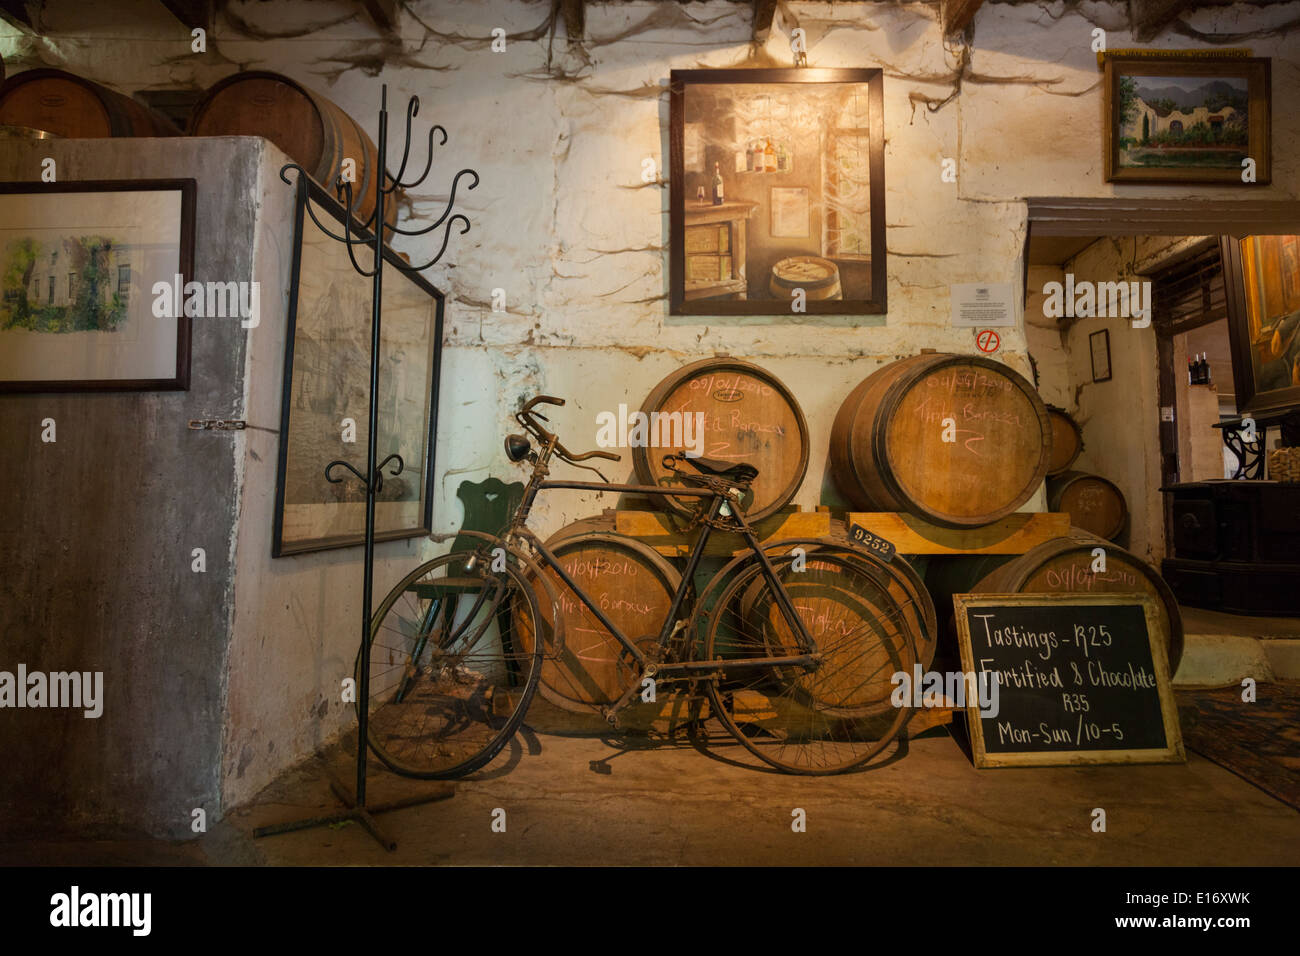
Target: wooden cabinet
<point>715,249</point>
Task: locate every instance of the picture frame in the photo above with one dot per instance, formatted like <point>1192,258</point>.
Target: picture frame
<point>1099,352</point>
<point>80,263</point>
<point>1186,119</point>
<point>1261,277</point>
<point>759,130</point>
<point>326,381</point>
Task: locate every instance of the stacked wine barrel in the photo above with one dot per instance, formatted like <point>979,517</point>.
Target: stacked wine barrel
<point>957,440</point>
<point>311,130</point>
<point>70,106</point>
<point>749,416</point>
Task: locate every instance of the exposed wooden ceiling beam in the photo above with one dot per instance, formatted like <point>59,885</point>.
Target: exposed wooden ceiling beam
<point>15,13</point>
<point>764,11</point>
<point>195,14</point>
<point>957,15</point>
<point>1149,17</point>
<point>575,18</point>
<point>383,13</point>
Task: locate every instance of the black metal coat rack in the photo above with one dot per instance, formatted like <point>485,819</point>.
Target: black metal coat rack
<point>372,480</point>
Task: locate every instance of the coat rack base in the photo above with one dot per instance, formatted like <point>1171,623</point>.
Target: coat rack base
<point>363,815</point>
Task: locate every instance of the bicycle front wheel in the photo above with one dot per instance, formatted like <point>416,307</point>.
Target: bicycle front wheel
<point>824,719</point>
<point>450,680</point>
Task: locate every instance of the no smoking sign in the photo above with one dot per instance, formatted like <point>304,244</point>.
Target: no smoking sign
<point>987,340</point>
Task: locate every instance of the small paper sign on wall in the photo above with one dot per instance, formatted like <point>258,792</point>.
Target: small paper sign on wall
<point>983,304</point>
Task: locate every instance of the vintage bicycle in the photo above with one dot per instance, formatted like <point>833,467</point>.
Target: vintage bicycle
<point>793,643</point>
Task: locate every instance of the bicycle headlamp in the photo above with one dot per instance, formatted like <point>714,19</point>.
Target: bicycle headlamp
<point>517,447</point>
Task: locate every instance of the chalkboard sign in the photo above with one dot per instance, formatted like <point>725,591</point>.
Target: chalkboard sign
<point>1082,678</point>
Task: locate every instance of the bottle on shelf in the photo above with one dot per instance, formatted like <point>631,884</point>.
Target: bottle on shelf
<point>782,159</point>
<point>1191,371</point>
<point>1205,369</point>
<point>717,185</point>
<point>751,156</point>
<point>769,158</point>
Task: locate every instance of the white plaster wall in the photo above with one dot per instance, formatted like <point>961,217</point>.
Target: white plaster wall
<point>564,225</point>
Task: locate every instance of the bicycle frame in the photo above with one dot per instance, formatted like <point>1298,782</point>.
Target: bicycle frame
<point>650,667</point>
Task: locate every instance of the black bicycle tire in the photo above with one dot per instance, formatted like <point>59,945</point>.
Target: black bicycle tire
<point>717,702</point>
<point>507,733</point>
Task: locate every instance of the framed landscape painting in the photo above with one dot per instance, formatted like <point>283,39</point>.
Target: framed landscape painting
<point>326,401</point>
<point>1187,120</point>
<point>776,192</point>
<point>78,265</point>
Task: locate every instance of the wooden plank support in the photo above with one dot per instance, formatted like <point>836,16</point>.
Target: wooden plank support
<point>1014,534</point>
<point>575,19</point>
<point>17,14</point>
<point>383,13</point>
<point>764,12</point>
<point>194,14</point>
<point>655,529</point>
<point>1149,17</point>
<point>957,15</point>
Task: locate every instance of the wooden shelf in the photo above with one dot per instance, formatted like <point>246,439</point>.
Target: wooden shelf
<point>658,531</point>
<point>1014,534</point>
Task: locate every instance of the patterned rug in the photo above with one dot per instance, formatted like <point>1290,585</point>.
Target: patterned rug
<point>1259,741</point>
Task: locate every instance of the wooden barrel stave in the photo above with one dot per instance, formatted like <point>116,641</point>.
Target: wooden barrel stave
<point>635,594</point>
<point>309,128</point>
<point>887,450</point>
<point>750,416</point>
<point>1094,504</point>
<point>71,106</point>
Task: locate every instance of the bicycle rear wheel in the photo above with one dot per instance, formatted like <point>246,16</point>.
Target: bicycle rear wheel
<point>824,720</point>
<point>449,679</point>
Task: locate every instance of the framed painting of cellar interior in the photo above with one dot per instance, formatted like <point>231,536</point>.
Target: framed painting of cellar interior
<point>91,280</point>
<point>1262,282</point>
<point>776,192</point>
<point>1187,119</point>
<point>326,399</point>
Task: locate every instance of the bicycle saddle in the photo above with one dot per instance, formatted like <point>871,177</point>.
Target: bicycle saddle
<point>733,471</point>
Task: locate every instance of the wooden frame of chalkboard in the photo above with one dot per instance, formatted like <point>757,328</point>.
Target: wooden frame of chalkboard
<point>1090,701</point>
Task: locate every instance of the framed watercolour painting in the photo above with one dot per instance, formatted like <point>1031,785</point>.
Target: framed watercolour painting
<point>325,406</point>
<point>776,192</point>
<point>1187,119</point>
<point>78,266</point>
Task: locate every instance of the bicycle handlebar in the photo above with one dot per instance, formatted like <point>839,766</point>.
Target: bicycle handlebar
<point>528,418</point>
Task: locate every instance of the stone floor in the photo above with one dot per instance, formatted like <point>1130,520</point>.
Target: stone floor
<point>582,800</point>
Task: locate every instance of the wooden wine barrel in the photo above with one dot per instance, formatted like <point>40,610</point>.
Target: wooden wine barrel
<point>311,130</point>
<point>70,106</point>
<point>1093,503</point>
<point>633,586</point>
<point>1060,565</point>
<point>1067,440</point>
<point>887,443</point>
<point>819,278</point>
<point>749,416</point>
